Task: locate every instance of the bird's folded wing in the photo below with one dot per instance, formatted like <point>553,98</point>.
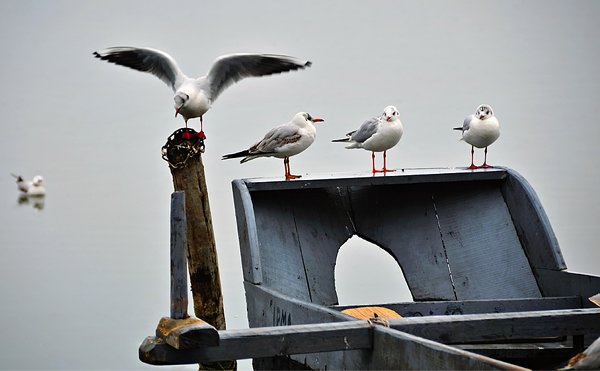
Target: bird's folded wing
<point>366,130</point>
<point>276,138</point>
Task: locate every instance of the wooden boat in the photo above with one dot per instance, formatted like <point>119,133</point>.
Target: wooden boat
<point>491,289</point>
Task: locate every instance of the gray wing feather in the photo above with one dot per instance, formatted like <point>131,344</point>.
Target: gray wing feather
<point>153,61</point>
<point>366,130</point>
<point>230,69</point>
<point>275,138</point>
<point>467,122</point>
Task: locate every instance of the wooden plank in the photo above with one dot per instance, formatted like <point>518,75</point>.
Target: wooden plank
<point>395,350</point>
<point>539,356</point>
<point>437,308</point>
<point>484,253</point>
<point>320,233</point>
<point>247,234</point>
<point>408,176</point>
<point>265,342</point>
<point>531,223</point>
<point>268,307</point>
<point>471,328</point>
<point>179,283</point>
<point>554,283</point>
<point>390,349</point>
<point>401,220</point>
<point>280,254</point>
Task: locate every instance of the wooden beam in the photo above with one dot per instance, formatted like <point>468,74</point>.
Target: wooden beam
<point>407,176</point>
<point>437,308</point>
<point>401,351</point>
<point>390,349</point>
<point>264,342</point>
<point>473,328</point>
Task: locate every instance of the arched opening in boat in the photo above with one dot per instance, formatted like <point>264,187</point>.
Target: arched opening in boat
<point>367,274</point>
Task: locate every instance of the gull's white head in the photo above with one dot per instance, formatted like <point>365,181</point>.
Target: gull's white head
<point>484,111</point>
<point>390,113</point>
<point>305,117</point>
<point>180,100</point>
<point>37,180</point>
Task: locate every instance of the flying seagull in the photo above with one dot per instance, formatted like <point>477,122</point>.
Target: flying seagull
<point>194,96</point>
<point>480,130</point>
<point>377,134</point>
<point>283,142</point>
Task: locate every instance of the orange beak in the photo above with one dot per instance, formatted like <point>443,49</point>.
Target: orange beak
<point>176,111</point>
<point>317,120</point>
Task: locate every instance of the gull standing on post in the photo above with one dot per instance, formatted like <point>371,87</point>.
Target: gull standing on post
<point>377,134</point>
<point>283,142</point>
<point>194,97</point>
<point>480,130</point>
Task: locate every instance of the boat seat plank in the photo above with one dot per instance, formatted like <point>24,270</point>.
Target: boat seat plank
<point>404,225</point>
<point>485,255</point>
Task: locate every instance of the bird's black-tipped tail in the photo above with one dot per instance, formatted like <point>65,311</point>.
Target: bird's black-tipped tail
<point>341,140</point>
<point>239,154</point>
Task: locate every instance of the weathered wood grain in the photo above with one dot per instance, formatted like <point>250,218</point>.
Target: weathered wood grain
<point>437,308</point>
<point>179,283</point>
<point>395,350</point>
<point>408,176</point>
<point>485,256</point>
<point>320,232</point>
<point>554,283</point>
<point>186,333</point>
<point>498,327</point>
<point>531,223</point>
<point>401,220</point>
<point>390,349</point>
<point>247,234</point>
<point>202,252</point>
<point>268,307</point>
<point>266,342</point>
<point>280,255</point>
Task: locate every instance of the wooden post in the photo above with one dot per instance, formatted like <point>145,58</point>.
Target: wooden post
<point>179,283</point>
<point>187,169</point>
<point>185,162</point>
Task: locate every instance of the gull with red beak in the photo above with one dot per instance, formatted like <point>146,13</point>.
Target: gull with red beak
<point>283,142</point>
<point>480,130</point>
<point>377,134</point>
<point>194,97</point>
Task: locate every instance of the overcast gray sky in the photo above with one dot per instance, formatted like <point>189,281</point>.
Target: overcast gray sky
<point>99,249</point>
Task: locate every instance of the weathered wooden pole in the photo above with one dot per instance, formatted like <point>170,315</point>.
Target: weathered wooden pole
<point>185,162</point>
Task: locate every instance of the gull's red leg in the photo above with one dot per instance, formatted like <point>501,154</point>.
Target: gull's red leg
<point>186,134</point>
<point>485,164</point>
<point>472,154</point>
<point>385,169</point>
<point>373,163</point>
<point>288,173</point>
<point>201,134</point>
